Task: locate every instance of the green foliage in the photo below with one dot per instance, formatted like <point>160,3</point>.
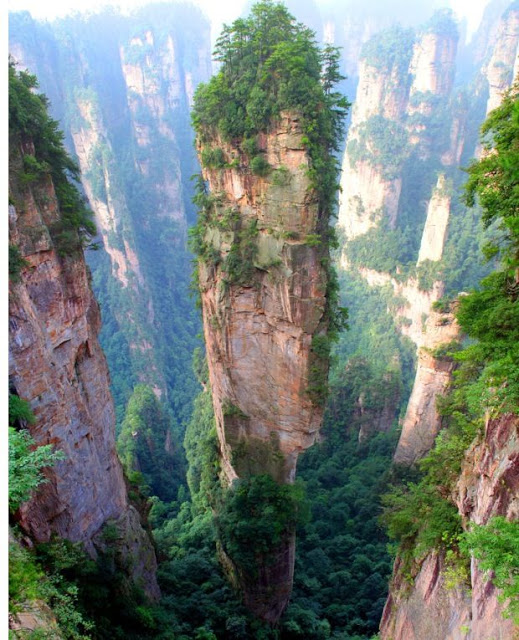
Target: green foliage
<point>260,167</point>
<point>496,545</point>
<point>212,158</point>
<point>419,518</point>
<point>256,516</point>
<point>16,263</point>
<point>26,459</point>
<point>202,452</point>
<point>390,49</point>
<point>490,315</point>
<point>381,142</point>
<point>442,23</point>
<point>29,124</point>
<point>272,64</point>
<point>494,178</point>
<point>26,462</point>
<point>36,579</point>
<point>147,444</point>
<point>342,564</point>
<point>428,272</point>
<point>238,266</point>
<point>25,577</point>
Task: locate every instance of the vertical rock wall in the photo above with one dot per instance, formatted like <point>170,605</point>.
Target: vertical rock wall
<point>502,67</point>
<point>122,86</point>
<point>263,289</point>
<point>259,332</point>
<point>56,364</point>
<point>400,93</point>
<point>432,606</point>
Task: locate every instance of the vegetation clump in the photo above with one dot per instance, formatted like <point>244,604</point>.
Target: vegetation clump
<point>390,49</point>
<point>256,517</point>
<point>271,64</point>
<point>26,459</point>
<point>34,135</point>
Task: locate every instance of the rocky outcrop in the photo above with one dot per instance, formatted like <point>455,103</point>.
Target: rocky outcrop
<point>126,117</point>
<point>400,88</point>
<point>502,67</point>
<point>368,194</point>
<point>435,230</point>
<point>259,329</point>
<point>434,606</point>
<point>448,609</point>
<point>433,63</point>
<point>263,291</point>
<point>56,364</point>
<point>422,422</point>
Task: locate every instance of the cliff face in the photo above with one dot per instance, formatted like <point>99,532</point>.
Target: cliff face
<point>259,332</point>
<point>56,364</point>
<point>434,608</point>
<point>422,422</point>
<point>368,194</point>
<point>502,67</point>
<point>124,92</point>
<point>402,91</point>
<point>437,603</point>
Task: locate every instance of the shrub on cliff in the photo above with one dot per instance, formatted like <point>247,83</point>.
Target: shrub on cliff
<point>34,135</point>
<point>255,518</point>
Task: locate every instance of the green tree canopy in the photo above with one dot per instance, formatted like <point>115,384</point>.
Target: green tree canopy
<point>271,63</point>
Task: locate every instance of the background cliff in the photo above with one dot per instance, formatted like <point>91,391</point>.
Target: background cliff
<point>56,365</point>
<point>122,85</point>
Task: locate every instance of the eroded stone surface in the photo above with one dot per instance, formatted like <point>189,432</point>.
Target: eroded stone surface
<point>56,364</point>
<point>259,334</point>
<point>503,65</point>
<point>432,608</point>
<point>259,327</point>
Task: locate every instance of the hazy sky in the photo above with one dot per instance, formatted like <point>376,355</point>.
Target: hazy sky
<point>218,11</point>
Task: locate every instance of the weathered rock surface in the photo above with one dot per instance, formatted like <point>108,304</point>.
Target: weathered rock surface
<point>435,230</point>
<point>259,326</point>
<point>422,422</point>
<point>125,112</point>
<point>56,364</point>
<point>404,96</point>
<point>367,195</point>
<point>433,63</point>
<point>431,607</point>
<point>427,608</point>
<point>259,334</point>
<point>502,67</point>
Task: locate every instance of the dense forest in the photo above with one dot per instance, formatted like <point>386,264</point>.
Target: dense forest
<point>353,510</point>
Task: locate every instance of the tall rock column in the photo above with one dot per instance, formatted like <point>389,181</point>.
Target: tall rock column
<point>371,181</point>
<point>266,285</point>
<point>263,300</point>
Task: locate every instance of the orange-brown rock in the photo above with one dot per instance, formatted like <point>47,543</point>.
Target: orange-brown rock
<point>260,318</point>
<point>434,606</point>
<point>56,364</point>
<point>259,333</point>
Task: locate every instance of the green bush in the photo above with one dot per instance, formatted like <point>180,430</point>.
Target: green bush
<point>260,167</point>
<point>496,545</point>
<point>256,516</point>
<point>26,459</point>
